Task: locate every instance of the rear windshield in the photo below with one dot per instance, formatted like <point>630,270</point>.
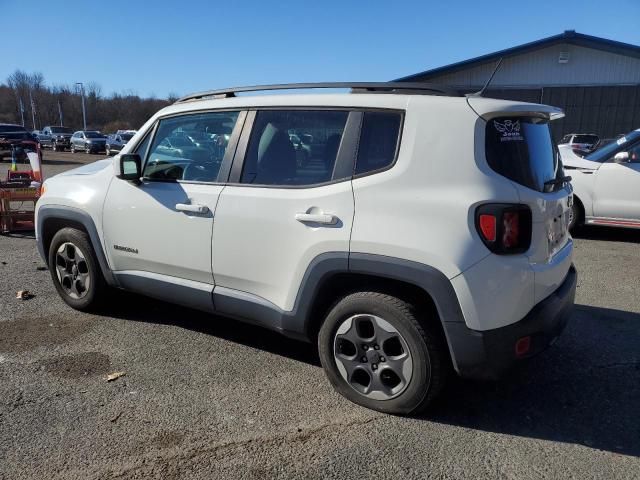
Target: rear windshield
<point>521,149</point>
<point>60,130</point>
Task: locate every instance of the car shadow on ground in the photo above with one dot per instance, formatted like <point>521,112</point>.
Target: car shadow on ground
<point>129,306</point>
<point>608,234</point>
<point>585,389</point>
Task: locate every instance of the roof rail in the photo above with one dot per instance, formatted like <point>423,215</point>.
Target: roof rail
<point>356,87</point>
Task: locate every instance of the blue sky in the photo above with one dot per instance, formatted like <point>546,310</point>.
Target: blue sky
<point>181,46</point>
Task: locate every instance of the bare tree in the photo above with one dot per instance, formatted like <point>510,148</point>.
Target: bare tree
<point>120,110</point>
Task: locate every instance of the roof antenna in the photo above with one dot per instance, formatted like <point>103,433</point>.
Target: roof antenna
<point>486,85</point>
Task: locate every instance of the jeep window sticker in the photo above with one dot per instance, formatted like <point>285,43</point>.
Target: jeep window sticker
<point>509,129</point>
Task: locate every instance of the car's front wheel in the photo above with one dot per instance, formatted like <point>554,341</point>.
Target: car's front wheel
<point>377,353</point>
<point>575,216</point>
<point>75,271</point>
<point>87,149</point>
<point>72,149</point>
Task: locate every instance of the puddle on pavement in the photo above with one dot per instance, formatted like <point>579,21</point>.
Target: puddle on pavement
<point>28,333</point>
<point>77,365</point>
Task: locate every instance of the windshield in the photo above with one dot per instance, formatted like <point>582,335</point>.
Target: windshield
<point>60,130</point>
<point>605,153</point>
<point>521,149</point>
<point>93,135</point>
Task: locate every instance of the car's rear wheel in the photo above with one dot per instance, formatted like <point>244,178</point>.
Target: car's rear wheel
<point>75,270</point>
<point>575,216</point>
<point>377,354</point>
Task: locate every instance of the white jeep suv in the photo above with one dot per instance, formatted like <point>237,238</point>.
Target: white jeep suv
<point>425,233</point>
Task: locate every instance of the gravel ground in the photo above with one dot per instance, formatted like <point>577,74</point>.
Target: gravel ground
<point>205,397</point>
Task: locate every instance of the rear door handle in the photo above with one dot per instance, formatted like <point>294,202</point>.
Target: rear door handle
<point>323,218</point>
<point>192,208</point>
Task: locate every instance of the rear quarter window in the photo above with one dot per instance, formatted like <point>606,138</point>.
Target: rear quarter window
<point>379,140</point>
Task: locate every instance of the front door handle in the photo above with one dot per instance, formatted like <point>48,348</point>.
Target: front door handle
<point>192,208</point>
<point>323,218</point>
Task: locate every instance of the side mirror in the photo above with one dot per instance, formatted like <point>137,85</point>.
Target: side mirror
<point>621,157</point>
<point>130,167</point>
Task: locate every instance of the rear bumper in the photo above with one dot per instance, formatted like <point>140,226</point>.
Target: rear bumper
<point>489,354</point>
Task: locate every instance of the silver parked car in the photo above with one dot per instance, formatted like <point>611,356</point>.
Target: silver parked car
<point>90,141</point>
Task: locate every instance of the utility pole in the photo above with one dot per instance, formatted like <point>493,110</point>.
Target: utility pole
<point>22,111</point>
<point>60,112</point>
<point>33,110</point>
<point>84,113</point>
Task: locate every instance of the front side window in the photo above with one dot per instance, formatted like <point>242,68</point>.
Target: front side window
<point>521,149</point>
<point>294,147</point>
<point>378,141</point>
<point>189,147</point>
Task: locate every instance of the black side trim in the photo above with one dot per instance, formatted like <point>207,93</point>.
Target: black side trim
<point>48,212</point>
<point>178,291</point>
<point>297,322</point>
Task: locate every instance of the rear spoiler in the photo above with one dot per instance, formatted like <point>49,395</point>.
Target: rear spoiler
<point>488,108</point>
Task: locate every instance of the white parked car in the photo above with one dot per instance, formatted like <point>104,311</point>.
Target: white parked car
<point>581,143</point>
<point>606,183</point>
<point>427,232</point>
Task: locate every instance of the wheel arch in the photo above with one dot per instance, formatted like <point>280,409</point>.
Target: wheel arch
<point>332,276</point>
<point>52,218</point>
<point>581,210</point>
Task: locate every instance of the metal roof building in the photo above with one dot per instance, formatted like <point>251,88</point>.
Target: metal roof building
<point>595,80</point>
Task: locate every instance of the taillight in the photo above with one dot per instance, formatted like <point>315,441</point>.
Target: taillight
<point>504,228</point>
<point>488,227</point>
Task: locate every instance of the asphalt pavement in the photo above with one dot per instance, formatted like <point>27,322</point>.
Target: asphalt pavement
<point>206,397</point>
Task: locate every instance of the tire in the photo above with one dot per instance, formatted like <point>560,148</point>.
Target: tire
<point>416,350</point>
<point>54,147</point>
<point>108,151</point>
<point>72,148</point>
<point>75,270</point>
<point>87,149</point>
<point>576,218</point>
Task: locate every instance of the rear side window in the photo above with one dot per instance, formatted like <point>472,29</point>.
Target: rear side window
<point>378,141</point>
<point>522,150</point>
<point>294,147</point>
